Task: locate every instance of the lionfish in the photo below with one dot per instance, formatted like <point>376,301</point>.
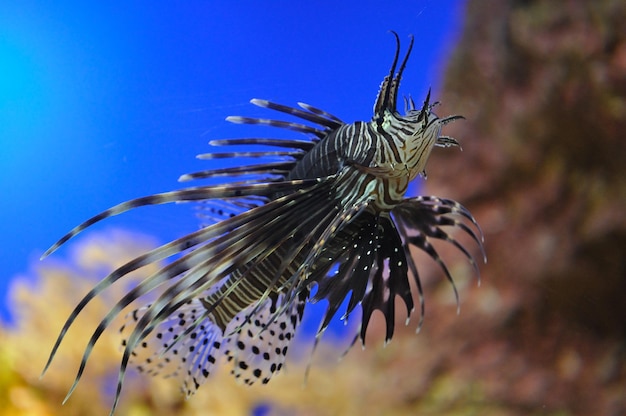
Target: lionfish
<point>320,218</point>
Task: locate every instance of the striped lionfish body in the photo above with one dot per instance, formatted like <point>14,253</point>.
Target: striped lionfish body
<point>321,218</point>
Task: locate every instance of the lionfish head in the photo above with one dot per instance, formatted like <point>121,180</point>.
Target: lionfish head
<point>417,131</point>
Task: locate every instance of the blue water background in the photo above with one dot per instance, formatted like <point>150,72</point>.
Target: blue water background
<point>104,102</point>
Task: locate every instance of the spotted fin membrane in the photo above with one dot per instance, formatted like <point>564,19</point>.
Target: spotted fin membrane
<point>188,347</point>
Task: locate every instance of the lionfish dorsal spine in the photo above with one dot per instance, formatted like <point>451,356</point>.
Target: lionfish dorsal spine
<point>388,91</point>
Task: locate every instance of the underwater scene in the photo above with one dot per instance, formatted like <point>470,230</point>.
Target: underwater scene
<point>378,208</point>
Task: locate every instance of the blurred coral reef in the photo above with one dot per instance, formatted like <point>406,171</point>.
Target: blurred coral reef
<point>400,379</point>
<point>543,168</point>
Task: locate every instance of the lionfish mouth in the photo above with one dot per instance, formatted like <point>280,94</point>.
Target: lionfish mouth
<point>314,219</point>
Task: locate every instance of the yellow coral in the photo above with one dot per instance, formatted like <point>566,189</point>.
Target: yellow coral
<point>394,380</point>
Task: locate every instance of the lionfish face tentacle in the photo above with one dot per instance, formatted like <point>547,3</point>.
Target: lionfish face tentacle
<point>324,217</point>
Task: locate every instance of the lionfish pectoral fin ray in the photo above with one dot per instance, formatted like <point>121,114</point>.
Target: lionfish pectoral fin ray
<point>435,231</point>
<point>358,265</point>
<point>316,340</point>
<point>442,235</point>
<point>144,287</point>
<point>299,281</point>
<point>143,260</point>
<point>436,217</point>
<point>356,269</point>
<point>418,283</point>
<point>289,222</point>
<point>157,254</point>
<point>168,298</point>
<point>239,245</point>
<point>287,259</point>
<point>180,294</point>
<point>190,194</point>
<point>422,243</point>
<point>317,215</point>
<point>197,343</point>
<point>410,263</point>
